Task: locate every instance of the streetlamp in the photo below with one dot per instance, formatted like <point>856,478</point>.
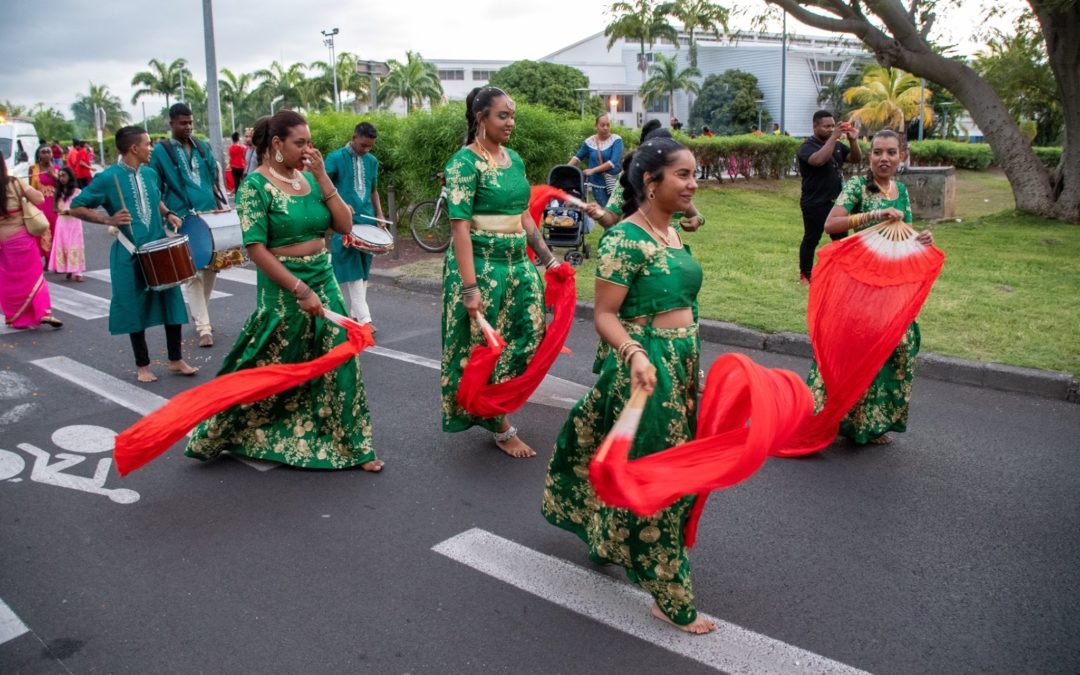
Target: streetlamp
<point>613,105</point>
<point>760,103</point>
<point>329,42</point>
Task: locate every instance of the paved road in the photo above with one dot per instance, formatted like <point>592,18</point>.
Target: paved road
<point>952,551</point>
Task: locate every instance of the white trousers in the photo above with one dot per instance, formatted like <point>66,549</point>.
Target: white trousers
<point>355,293</point>
<point>197,292</point>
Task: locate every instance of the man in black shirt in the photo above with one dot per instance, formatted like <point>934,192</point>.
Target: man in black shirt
<point>821,160</point>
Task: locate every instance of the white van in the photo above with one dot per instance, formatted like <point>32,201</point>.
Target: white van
<point>18,141</point>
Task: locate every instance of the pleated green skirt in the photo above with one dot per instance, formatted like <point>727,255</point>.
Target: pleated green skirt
<point>321,424</point>
<point>650,549</point>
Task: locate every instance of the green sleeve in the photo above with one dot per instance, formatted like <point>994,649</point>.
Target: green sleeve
<point>615,201</point>
<point>252,204</point>
<point>851,197</point>
<point>332,167</point>
<point>905,201</point>
<point>620,258</point>
<point>96,193</point>
<point>461,178</point>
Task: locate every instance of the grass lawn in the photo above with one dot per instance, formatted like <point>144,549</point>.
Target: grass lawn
<point>1010,290</point>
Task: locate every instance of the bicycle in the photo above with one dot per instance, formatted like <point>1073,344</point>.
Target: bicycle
<point>429,221</point>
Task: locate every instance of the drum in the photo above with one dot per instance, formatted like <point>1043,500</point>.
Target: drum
<point>215,238</point>
<point>166,262</point>
<point>370,239</point>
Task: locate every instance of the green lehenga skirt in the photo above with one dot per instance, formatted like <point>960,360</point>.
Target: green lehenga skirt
<point>513,296</point>
<point>321,424</point>
<point>650,549</point>
<point>884,406</point>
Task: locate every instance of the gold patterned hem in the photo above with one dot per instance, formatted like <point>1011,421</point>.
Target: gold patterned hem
<point>311,257</point>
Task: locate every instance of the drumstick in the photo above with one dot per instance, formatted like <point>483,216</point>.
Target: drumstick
<point>378,220</point>
<point>119,192</point>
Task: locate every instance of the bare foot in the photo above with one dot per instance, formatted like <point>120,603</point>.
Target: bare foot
<point>374,466</point>
<point>880,440</point>
<point>515,447</point>
<point>181,368</point>
<point>698,626</point>
<point>146,375</point>
<point>206,340</point>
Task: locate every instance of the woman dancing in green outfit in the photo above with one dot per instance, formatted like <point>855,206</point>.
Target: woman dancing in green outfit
<point>865,201</point>
<point>285,208</point>
<point>646,291</point>
<point>487,270</point>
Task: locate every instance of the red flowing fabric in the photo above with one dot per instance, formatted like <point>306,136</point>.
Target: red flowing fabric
<point>482,399</point>
<point>867,289</point>
<point>154,434</point>
<point>539,197</point>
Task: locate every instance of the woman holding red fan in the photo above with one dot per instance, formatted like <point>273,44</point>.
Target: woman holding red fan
<point>865,201</point>
<point>646,295</point>
<point>285,208</point>
<point>487,271</point>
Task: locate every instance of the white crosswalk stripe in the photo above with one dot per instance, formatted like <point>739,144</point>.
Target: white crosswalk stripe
<point>76,303</point>
<point>128,395</point>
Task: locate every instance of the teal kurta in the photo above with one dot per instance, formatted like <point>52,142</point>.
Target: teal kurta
<point>188,180</point>
<point>354,177</point>
<point>133,306</point>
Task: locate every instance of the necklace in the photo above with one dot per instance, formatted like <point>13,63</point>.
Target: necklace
<point>294,181</point>
<point>485,154</point>
<point>885,190</point>
<point>655,233</point>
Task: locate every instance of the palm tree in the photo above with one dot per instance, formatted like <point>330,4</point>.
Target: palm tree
<point>280,81</point>
<point>348,80</point>
<point>99,96</point>
<point>888,97</point>
<point>700,15</point>
<point>13,109</point>
<point>313,95</point>
<point>160,80</point>
<point>642,21</point>
<point>236,93</point>
<point>666,79</point>
<point>414,80</point>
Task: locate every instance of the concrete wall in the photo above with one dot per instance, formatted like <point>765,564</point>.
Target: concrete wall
<point>932,190</point>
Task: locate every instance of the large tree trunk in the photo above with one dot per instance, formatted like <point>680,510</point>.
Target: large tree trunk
<point>906,47</point>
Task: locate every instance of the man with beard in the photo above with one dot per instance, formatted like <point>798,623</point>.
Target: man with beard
<point>189,178</point>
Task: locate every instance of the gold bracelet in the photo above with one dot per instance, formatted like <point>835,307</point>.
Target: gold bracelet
<point>329,196</point>
<point>632,351</point>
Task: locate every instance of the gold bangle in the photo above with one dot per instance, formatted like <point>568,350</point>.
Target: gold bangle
<point>329,196</point>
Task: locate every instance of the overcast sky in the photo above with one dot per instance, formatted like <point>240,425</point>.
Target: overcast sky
<point>50,52</point>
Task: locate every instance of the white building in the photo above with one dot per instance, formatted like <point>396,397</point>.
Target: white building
<point>812,63</point>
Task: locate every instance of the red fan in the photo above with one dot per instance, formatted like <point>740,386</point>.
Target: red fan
<point>477,395</point>
<point>154,434</point>
<point>867,289</point>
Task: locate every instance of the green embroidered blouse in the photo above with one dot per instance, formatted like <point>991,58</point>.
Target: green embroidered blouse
<point>658,278</point>
<point>474,187</point>
<point>273,218</point>
<point>855,198</point>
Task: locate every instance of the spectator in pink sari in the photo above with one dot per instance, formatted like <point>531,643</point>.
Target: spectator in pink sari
<point>68,250</point>
<point>24,294</point>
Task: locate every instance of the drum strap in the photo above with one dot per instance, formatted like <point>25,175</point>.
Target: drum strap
<point>124,241</point>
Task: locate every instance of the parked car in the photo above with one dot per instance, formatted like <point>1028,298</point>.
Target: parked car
<point>18,141</point>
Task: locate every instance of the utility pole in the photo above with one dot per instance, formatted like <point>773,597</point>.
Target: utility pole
<point>783,76</point>
<point>922,103</point>
<point>213,103</point>
<point>329,42</point>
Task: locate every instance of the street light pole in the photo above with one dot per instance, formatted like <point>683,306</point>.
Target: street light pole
<point>329,42</point>
<point>760,102</point>
<point>922,103</point>
<point>783,78</point>
<point>213,102</point>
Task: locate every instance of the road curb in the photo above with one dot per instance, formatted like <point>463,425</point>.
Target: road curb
<point>1032,381</point>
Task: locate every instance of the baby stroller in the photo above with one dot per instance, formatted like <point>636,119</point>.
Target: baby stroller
<point>564,225</point>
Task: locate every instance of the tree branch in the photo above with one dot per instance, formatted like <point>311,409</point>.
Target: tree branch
<point>838,25</point>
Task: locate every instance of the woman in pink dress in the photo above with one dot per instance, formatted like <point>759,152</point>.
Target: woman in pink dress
<point>68,251</point>
<point>43,179</point>
<point>24,295</point>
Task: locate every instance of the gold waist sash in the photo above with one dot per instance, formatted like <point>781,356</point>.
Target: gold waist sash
<point>503,224</point>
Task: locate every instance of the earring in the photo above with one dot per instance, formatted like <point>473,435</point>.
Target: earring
<point>652,195</point>
<point>278,157</point>
<point>483,134</point>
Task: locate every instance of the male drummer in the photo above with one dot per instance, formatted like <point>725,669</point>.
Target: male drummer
<point>131,194</point>
<point>353,169</point>
<point>189,177</point>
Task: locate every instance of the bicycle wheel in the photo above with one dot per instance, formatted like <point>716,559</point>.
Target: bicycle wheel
<point>429,224</point>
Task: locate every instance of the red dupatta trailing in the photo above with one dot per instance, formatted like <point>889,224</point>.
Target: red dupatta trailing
<point>154,434</point>
<point>477,396</point>
<point>867,289</point>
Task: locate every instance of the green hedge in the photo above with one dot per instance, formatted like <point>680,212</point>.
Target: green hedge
<point>951,153</point>
<point>1050,157</point>
<point>769,155</point>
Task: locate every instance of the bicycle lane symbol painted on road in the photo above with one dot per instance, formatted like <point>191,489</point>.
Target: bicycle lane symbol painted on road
<point>83,439</point>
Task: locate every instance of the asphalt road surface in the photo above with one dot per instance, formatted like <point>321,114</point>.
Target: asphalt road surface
<point>954,550</point>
